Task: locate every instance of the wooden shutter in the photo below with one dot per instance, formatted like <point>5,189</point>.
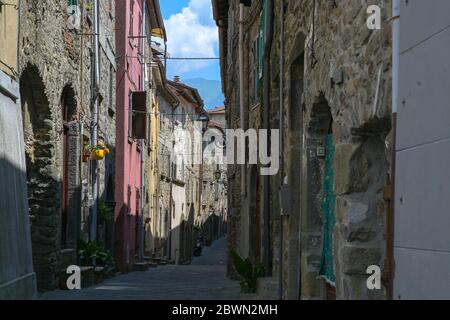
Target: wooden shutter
<point>139,123</point>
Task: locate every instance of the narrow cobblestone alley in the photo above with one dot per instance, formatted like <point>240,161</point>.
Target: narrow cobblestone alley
<point>204,279</point>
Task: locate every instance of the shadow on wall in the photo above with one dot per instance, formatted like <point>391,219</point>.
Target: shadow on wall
<point>179,246</point>
<point>213,229</point>
<point>43,178</point>
<point>17,279</point>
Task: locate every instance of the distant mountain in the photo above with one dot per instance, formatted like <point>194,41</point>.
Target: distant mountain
<point>210,91</point>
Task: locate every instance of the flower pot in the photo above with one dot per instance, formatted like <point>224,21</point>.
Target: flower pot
<point>99,153</point>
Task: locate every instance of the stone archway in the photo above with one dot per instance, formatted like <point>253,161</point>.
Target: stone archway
<point>42,178</point>
<point>318,198</point>
<point>70,208</point>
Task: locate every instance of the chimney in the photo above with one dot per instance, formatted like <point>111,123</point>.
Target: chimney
<point>177,79</point>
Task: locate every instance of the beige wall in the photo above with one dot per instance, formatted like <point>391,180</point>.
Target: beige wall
<point>8,38</point>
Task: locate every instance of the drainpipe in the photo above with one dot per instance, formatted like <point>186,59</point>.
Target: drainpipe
<point>19,32</point>
<point>265,125</point>
<point>281,115</point>
<point>80,167</point>
<point>395,100</point>
<point>94,125</point>
<point>241,86</point>
<point>143,155</point>
<point>169,254</point>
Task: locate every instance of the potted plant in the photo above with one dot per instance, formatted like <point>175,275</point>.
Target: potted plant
<point>86,152</point>
<point>105,213</point>
<point>99,152</point>
<point>248,272</point>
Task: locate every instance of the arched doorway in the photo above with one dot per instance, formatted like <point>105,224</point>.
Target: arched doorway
<point>321,197</point>
<point>43,182</point>
<point>69,212</point>
<point>291,225</point>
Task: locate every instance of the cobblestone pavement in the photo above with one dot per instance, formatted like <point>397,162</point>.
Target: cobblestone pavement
<point>204,279</point>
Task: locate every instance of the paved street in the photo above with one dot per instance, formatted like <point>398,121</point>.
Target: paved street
<point>204,279</point>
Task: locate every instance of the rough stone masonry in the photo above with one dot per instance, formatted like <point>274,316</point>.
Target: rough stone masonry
<point>55,67</point>
<point>336,82</point>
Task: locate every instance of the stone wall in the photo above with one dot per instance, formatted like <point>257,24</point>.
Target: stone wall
<point>55,59</point>
<point>336,81</point>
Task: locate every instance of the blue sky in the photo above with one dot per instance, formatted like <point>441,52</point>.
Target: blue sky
<point>191,32</point>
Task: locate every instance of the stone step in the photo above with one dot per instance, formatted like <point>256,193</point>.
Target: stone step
<point>99,274</point>
<point>68,258</point>
<point>87,277</point>
<point>140,266</point>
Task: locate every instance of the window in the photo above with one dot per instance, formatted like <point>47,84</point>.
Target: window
<point>112,108</point>
<point>137,115</point>
<point>131,27</point>
<point>130,115</point>
<point>138,201</point>
<point>141,49</point>
<point>129,200</point>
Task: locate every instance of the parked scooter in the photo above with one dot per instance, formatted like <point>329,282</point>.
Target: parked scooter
<point>198,247</point>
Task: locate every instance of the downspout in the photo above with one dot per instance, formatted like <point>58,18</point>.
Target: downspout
<point>241,87</point>
<point>265,125</point>
<point>143,155</point>
<point>19,9</point>
<point>281,115</point>
<point>395,100</point>
<point>171,182</point>
<point>80,167</point>
<point>165,59</point>
<point>94,125</point>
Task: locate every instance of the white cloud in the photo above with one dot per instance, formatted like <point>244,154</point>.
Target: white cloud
<point>192,33</point>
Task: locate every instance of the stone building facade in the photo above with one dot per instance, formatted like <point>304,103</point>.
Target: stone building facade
<point>324,81</point>
<point>213,218</point>
<point>56,89</point>
<point>154,83</point>
<point>158,229</point>
<point>186,171</point>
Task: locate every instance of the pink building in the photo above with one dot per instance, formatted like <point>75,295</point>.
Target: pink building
<point>130,15</point>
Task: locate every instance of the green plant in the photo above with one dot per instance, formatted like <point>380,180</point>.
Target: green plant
<point>105,213</point>
<point>90,253</point>
<point>248,272</point>
<point>105,258</point>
